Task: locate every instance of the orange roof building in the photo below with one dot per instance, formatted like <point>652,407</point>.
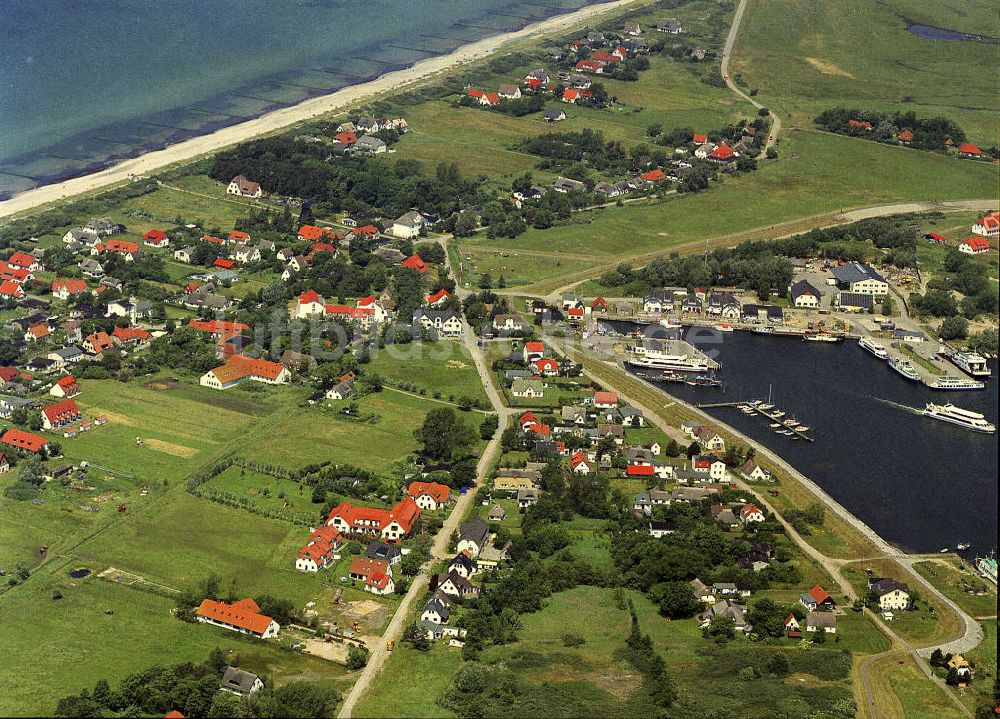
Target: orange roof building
<point>414,262</point>
<point>243,616</point>
<point>65,387</point>
<point>429,495</point>
<point>24,440</point>
<point>390,525</point>
<point>239,368</point>
<point>320,550</point>
<point>61,413</point>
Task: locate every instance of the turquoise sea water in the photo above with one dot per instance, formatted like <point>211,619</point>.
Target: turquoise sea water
<point>83,82</point>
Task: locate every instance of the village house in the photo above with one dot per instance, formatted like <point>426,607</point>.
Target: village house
<point>64,289</point>
<point>59,414</point>
<point>817,599</point>
<point>320,551</point>
<point>244,188</point>
<point>891,594</point>
<point>241,683</point>
<point>527,388</point>
<point>447,322</point>
<point>859,278</point>
<point>463,565</point>
<point>430,495</point>
<point>709,464</point>
<point>727,609</point>
<point>750,513</point>
<point>825,622</point>
<point>988,225</point>
<point>438,298</point>
<point>508,323</point>
<point>473,536</point>
<point>24,440</point>
<point>386,552</point>
<point>342,390</point>
<point>243,616</point>
<point>803,294</point>
<point>240,368</point>
<point>974,246</point>
<point>156,238</point>
<point>389,525</point>
<point>671,26</point>
<point>375,574</point>
<point>753,472</point>
<point>408,225</point>
<point>455,585</point>
<point>437,610</point>
<point>65,387</point>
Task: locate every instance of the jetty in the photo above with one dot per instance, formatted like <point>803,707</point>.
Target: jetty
<point>776,416</point>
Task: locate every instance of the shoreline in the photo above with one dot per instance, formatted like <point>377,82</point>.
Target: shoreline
<point>282,118</point>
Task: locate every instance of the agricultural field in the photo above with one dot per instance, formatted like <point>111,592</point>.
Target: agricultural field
<point>444,369</point>
<point>804,58</point>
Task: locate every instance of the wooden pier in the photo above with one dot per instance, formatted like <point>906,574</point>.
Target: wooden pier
<point>763,413</point>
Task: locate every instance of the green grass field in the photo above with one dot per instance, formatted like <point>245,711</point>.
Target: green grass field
<point>444,367</point>
<point>103,630</point>
<point>972,594</point>
<point>816,174</point>
<point>804,57</point>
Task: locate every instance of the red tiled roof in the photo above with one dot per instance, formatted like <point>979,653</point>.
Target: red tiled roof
<point>239,236</point>
<point>244,614</point>
<point>700,139</point>
<point>10,288</point>
<point>438,492</point>
<point>526,418</point>
<point>534,346</point>
<point>21,259</point>
<point>23,440</point>
<point>74,287</point>
<point>640,470</point>
<point>654,175</point>
<point>213,240</point>
<point>130,334</point>
<point>365,566</point>
<point>347,138</point>
<point>100,341</point>
<point>369,230</point>
<point>723,152</point>
<point>905,136</point>
<point>415,263</point>
<point>61,411</point>
<point>122,247</point>
<point>68,383</point>
<point>154,236</point>
<point>967,148</point>
<point>310,296</point>
<point>977,243</point>
<point>546,364</point>
<point>819,594</point>
<point>438,296</point>
<point>218,327</point>
<point>313,233</point>
<point>224,263</point>
<point>605,397</point>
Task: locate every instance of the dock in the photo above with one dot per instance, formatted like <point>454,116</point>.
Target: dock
<point>763,413</point>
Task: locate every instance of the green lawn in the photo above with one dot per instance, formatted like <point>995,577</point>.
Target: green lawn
<point>920,698</point>
<point>264,490</point>
<point>410,683</point>
<point>804,57</point>
<point>443,367</point>
<point>102,630</point>
<point>967,590</point>
<point>318,435</point>
<point>984,657</point>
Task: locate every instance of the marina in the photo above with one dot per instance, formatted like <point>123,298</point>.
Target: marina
<point>784,426</point>
<point>924,494</point>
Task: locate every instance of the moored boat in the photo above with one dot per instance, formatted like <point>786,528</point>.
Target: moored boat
<point>971,363</point>
<point>904,368</point>
<point>951,382</point>
<point>874,348</point>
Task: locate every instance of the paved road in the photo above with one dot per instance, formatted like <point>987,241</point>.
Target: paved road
<point>439,549</point>
<point>783,229</point>
<point>727,52</point>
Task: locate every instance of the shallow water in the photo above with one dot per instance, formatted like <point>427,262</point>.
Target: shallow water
<point>86,82</point>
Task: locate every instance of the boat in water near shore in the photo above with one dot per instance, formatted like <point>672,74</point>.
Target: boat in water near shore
<point>877,349</point>
<point>821,337</point>
<point>958,416</point>
<point>904,368</point>
<point>951,382</point>
<point>969,362</point>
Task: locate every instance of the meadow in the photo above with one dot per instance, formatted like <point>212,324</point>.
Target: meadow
<point>805,57</point>
<point>442,368</point>
<point>103,630</point>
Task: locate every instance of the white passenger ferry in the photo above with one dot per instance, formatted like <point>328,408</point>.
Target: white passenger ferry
<point>962,417</point>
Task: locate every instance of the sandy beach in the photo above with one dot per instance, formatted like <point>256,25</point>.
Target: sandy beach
<point>284,117</point>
